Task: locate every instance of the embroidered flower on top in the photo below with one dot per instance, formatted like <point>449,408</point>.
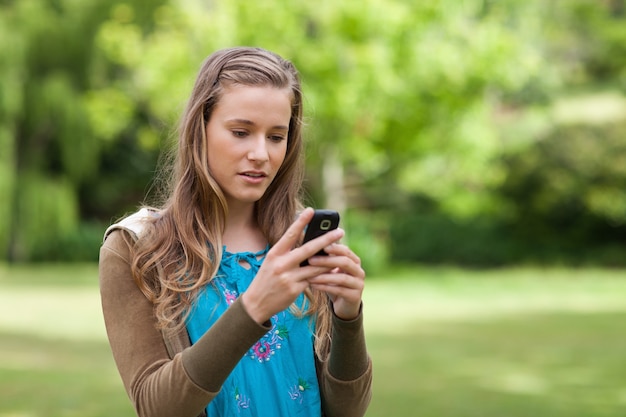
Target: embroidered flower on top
<point>297,391</point>
<point>229,295</point>
<point>242,400</point>
<point>263,350</point>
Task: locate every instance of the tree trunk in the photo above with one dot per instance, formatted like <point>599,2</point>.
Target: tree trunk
<point>333,180</point>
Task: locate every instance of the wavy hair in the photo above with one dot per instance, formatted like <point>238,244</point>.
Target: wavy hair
<point>181,250</point>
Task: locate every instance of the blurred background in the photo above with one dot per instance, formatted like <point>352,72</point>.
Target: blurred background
<point>475,148</point>
<point>474,132</point>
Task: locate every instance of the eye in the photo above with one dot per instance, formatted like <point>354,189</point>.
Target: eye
<point>276,138</point>
<point>240,133</point>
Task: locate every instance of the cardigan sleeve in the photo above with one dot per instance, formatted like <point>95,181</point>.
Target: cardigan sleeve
<point>345,378</point>
<point>157,384</point>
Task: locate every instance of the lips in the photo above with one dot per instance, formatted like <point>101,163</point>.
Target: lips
<point>254,174</point>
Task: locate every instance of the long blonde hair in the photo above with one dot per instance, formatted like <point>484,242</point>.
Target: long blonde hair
<point>181,250</point>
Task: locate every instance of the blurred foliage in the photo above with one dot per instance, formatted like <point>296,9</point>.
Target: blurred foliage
<point>474,131</point>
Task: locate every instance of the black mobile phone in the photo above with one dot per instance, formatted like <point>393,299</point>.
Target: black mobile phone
<point>323,221</point>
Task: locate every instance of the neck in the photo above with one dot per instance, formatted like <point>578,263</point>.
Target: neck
<point>242,232</point>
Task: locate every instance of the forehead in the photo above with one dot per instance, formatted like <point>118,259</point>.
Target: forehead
<point>254,101</point>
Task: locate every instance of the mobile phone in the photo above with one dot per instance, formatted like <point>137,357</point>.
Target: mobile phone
<point>323,221</point>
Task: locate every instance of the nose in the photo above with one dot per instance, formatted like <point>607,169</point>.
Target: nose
<point>258,149</point>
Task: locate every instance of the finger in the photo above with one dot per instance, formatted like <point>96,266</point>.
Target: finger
<point>306,273</point>
<point>345,264</point>
<point>293,233</point>
<point>346,303</point>
<point>338,249</point>
<point>352,296</point>
<point>337,291</point>
<point>335,280</point>
<point>312,247</point>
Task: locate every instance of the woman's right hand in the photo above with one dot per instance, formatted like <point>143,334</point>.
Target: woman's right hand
<point>281,279</point>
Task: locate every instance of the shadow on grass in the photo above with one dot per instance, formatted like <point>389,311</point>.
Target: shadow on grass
<point>549,365</point>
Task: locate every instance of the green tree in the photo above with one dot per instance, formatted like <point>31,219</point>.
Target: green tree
<point>446,103</point>
<point>49,146</point>
<point>12,64</point>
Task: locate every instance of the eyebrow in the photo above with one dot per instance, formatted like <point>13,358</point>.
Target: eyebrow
<point>251,123</point>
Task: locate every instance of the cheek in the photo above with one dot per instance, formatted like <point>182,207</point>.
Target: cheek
<point>280,163</point>
<point>217,160</point>
<point>279,153</point>
<point>283,157</point>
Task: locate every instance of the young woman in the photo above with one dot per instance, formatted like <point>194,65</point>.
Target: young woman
<point>207,309</point>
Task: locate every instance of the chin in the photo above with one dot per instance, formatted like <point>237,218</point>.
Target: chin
<point>248,199</point>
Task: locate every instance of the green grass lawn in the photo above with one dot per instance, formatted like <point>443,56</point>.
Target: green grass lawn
<point>445,342</point>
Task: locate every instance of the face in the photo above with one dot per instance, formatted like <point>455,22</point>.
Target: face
<point>247,140</point>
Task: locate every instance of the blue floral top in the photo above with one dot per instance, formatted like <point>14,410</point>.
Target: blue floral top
<point>277,376</point>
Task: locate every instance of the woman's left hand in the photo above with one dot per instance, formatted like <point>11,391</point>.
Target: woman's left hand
<point>344,283</point>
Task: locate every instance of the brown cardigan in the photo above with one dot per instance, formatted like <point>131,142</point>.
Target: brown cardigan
<point>165,376</point>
